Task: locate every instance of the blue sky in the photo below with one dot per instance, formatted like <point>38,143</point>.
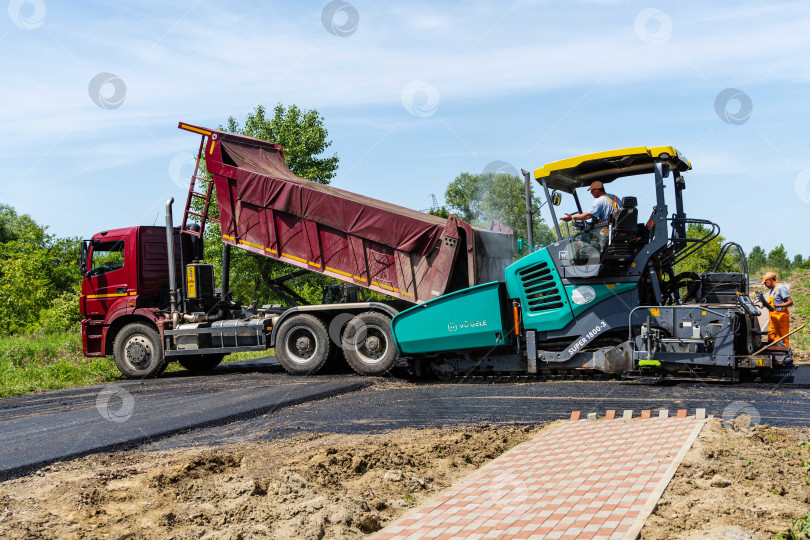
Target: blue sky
<point>416,93</point>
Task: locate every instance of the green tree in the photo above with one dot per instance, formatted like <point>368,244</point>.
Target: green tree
<point>704,257</point>
<point>24,291</point>
<point>301,133</point>
<point>778,258</point>
<point>35,269</point>
<point>463,196</point>
<point>481,198</point>
<point>798,261</point>
<point>756,260</point>
<point>440,211</point>
<point>14,226</point>
<point>303,136</point>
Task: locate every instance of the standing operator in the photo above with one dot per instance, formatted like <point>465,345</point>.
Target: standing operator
<point>777,302</point>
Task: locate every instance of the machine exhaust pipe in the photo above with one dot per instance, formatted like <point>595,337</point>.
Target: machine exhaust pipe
<point>527,180</point>
<point>172,268</point>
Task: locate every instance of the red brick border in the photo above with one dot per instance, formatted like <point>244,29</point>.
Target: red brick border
<point>575,479</point>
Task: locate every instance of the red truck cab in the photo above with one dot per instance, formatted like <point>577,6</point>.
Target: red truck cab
<point>125,281</point>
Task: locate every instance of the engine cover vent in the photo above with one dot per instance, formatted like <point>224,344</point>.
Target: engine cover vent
<point>538,285</point>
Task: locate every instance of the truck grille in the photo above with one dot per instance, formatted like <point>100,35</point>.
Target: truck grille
<point>538,284</point>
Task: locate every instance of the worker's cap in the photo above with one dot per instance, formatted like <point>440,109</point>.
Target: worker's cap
<point>596,185</point>
<point>769,275</point>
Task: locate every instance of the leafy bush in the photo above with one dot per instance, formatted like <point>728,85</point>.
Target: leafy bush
<point>35,268</point>
<point>63,315</point>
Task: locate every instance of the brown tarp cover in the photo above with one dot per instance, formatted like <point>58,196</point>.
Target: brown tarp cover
<point>263,179</point>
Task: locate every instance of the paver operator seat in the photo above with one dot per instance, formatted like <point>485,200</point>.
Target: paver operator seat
<point>624,237</point>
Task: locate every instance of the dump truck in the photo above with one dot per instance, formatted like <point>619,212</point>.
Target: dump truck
<point>604,298</point>
<point>134,309</point>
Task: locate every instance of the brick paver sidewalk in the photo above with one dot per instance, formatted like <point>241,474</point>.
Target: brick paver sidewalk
<point>577,479</point>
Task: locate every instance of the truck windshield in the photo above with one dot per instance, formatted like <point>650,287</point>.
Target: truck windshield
<point>106,257</point>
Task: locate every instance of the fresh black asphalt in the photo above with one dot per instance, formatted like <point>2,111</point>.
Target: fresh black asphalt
<point>391,405</point>
<point>254,401</point>
<point>44,428</point>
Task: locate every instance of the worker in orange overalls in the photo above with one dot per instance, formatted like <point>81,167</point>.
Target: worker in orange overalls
<point>779,301</point>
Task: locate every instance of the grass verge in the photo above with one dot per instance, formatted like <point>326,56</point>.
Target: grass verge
<point>800,292</point>
<point>42,362</point>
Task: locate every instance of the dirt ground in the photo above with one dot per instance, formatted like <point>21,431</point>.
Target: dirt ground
<point>311,487</point>
<point>736,482</point>
<point>749,482</point>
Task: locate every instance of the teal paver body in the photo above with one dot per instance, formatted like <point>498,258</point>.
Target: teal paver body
<point>535,281</point>
<point>479,316</point>
<point>468,319</point>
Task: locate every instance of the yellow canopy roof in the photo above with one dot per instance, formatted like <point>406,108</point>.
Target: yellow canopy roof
<point>572,173</point>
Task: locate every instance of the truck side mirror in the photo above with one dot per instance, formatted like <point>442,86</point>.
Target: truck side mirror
<point>556,198</point>
<point>83,258</point>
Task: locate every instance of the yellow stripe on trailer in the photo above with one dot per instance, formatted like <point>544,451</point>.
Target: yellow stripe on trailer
<point>195,129</point>
<point>335,270</point>
<point>293,257</point>
<point>251,244</point>
<point>389,288</point>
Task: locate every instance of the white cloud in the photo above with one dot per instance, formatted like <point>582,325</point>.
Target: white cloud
<point>216,69</point>
<point>216,60</point>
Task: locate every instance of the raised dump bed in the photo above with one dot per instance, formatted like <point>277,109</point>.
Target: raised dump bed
<point>266,209</point>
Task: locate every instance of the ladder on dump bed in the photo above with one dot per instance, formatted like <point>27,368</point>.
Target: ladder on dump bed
<point>192,195</point>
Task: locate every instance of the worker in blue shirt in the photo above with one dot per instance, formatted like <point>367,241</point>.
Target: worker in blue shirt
<point>603,207</point>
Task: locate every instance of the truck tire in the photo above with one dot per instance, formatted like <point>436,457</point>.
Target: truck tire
<point>368,344</point>
<point>138,351</point>
<point>302,344</point>
<point>201,363</point>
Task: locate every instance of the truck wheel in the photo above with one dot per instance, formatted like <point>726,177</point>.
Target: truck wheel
<point>138,352</point>
<point>201,363</point>
<point>302,345</point>
<point>368,344</point>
